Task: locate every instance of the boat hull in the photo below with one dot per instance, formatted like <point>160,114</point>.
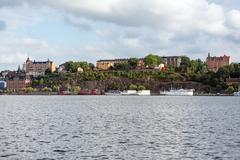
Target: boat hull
<point>180,92</point>
<point>236,93</point>
<point>143,93</point>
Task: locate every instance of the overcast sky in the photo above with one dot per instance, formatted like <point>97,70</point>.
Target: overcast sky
<point>64,30</point>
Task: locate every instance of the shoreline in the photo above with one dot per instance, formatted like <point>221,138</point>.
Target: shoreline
<point>152,95</point>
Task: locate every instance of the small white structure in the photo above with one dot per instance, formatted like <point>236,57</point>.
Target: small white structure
<point>113,93</point>
<point>80,70</point>
<point>143,93</point>
<point>178,92</point>
<point>136,93</point>
<point>236,93</point>
<point>129,92</point>
<point>160,67</point>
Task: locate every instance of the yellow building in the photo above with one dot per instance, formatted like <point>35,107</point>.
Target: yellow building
<point>33,68</point>
<point>107,64</point>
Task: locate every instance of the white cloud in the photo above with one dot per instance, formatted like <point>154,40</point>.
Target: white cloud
<point>2,25</point>
<point>14,51</point>
<point>134,28</point>
<point>234,18</point>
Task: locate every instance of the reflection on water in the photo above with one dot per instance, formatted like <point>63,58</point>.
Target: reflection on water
<point>44,128</point>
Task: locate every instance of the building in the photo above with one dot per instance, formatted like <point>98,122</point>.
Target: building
<point>174,61</point>
<point>18,84</point>
<point>107,64</point>
<point>33,68</point>
<point>233,81</point>
<point>214,63</point>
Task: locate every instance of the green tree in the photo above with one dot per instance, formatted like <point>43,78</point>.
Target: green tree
<point>30,90</point>
<point>133,62</point>
<point>48,71</point>
<point>73,66</point>
<point>121,66</point>
<point>46,89</point>
<point>230,90</point>
<point>152,60</point>
<point>133,87</point>
<point>75,89</point>
<point>141,87</point>
<point>185,64</point>
<point>55,88</point>
<point>41,81</point>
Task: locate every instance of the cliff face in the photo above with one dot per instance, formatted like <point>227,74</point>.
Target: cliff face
<point>153,85</point>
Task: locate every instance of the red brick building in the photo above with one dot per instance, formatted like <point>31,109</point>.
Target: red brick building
<point>233,81</point>
<point>18,84</point>
<point>214,63</point>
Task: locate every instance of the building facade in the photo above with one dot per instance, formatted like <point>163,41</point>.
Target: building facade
<point>33,68</point>
<point>17,84</point>
<point>214,63</point>
<point>174,61</point>
<point>233,81</point>
<point>107,64</point>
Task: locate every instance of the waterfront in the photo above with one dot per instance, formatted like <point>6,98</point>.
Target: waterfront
<point>102,127</point>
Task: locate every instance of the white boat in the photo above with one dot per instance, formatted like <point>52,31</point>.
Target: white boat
<point>178,92</point>
<point>113,93</point>
<point>143,93</point>
<point>128,92</point>
<point>236,93</point>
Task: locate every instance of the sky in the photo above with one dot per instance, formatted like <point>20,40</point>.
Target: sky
<point>89,30</point>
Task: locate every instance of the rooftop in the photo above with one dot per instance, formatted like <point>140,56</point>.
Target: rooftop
<point>121,59</point>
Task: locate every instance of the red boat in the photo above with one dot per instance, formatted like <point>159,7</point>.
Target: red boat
<point>85,92</point>
<point>89,92</point>
<point>96,92</point>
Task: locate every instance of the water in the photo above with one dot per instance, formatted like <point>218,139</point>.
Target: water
<point>74,127</point>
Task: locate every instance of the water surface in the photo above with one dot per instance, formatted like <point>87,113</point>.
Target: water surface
<point>101,127</point>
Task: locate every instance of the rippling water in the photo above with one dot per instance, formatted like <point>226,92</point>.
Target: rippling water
<point>74,127</point>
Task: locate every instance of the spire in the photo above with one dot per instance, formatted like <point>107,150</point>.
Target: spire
<point>19,69</point>
<point>209,55</point>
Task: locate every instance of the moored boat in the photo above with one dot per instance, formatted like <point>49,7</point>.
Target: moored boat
<point>95,92</point>
<point>236,93</point>
<point>178,92</point>
<point>89,92</point>
<point>85,92</point>
<point>143,93</point>
<point>128,92</point>
<point>113,93</point>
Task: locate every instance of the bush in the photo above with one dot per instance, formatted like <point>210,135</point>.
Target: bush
<point>46,89</point>
<point>75,89</point>
<point>141,87</point>
<point>55,88</point>
<point>133,87</point>
<point>230,90</point>
<point>30,90</point>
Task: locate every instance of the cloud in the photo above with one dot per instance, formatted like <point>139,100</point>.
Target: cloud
<point>124,28</point>
<point>81,23</point>
<point>2,25</point>
<point>234,18</point>
<point>14,50</point>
